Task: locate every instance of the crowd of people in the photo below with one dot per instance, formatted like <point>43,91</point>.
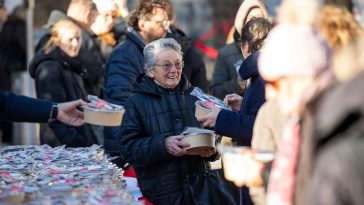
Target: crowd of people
<point>292,81</point>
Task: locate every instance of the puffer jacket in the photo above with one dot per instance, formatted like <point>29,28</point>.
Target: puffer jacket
<point>57,79</point>
<point>152,114</point>
<point>124,65</point>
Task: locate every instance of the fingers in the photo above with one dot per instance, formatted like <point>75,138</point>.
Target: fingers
<point>81,102</point>
<point>208,123</point>
<point>175,146</point>
<point>175,150</point>
<point>77,103</point>
<point>72,105</point>
<point>183,145</point>
<point>79,114</point>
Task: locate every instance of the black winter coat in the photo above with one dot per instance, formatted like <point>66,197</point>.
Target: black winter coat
<point>152,114</point>
<point>90,56</point>
<point>57,79</point>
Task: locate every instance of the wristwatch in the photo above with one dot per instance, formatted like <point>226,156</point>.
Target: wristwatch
<point>54,111</point>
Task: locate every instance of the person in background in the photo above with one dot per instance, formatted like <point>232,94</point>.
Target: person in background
<point>83,13</point>
<point>102,27</point>
<point>120,21</point>
<point>340,29</point>
<point>267,132</point>
<point>16,108</point>
<point>225,79</point>
<point>238,124</point>
<point>157,112</point>
<point>322,129</point>
<point>291,77</point>
<point>12,56</point>
<point>56,72</point>
<point>338,165</point>
<point>195,69</point>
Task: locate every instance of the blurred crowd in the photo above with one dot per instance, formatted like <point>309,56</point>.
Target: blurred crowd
<point>293,82</point>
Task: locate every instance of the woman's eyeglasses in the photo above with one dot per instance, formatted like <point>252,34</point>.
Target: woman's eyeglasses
<point>168,66</point>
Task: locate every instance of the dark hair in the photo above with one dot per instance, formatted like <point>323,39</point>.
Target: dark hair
<point>254,32</point>
<point>2,4</point>
<point>144,9</point>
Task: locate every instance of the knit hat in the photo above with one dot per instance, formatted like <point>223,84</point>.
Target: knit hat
<point>244,10</point>
<point>105,5</point>
<point>293,50</point>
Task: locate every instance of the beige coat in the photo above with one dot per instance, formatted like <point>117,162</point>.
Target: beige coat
<point>267,132</point>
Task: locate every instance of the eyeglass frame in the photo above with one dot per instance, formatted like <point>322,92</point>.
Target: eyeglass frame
<point>168,69</point>
<point>164,23</point>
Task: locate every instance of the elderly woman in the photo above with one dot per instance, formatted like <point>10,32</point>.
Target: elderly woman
<point>158,110</point>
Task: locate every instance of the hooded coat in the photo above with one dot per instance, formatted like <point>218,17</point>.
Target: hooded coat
<point>92,61</point>
<point>57,79</point>
<point>236,125</point>
<point>152,114</point>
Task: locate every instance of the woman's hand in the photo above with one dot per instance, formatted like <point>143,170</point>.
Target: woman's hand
<point>175,146</point>
<point>234,100</point>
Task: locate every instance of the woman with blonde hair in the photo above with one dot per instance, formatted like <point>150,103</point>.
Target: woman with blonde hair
<point>58,78</point>
<point>338,26</point>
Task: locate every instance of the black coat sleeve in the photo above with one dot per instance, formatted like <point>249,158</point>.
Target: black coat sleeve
<point>23,109</point>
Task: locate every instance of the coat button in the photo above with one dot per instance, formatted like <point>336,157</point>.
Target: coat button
<point>177,119</point>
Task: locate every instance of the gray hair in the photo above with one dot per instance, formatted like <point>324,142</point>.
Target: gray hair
<point>153,48</point>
